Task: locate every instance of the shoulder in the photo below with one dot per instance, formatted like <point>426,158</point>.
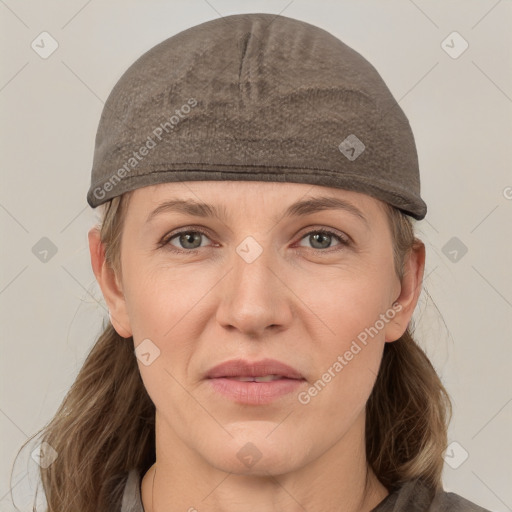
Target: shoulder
<point>132,501</point>
<point>412,496</point>
<point>415,496</point>
<point>449,501</point>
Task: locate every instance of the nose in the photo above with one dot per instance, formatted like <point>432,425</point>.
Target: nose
<point>254,297</point>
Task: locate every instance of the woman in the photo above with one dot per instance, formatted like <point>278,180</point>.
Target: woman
<point>258,259</point>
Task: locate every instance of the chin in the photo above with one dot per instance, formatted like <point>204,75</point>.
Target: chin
<point>274,465</point>
<point>256,454</point>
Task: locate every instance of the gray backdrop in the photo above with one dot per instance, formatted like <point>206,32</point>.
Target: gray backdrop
<point>449,65</point>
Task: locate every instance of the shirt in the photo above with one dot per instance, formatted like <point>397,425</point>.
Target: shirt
<point>413,496</point>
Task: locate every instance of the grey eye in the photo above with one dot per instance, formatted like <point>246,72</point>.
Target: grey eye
<point>322,239</point>
<point>188,239</point>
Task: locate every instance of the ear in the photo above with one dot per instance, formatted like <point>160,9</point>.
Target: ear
<point>109,284</point>
<point>411,284</point>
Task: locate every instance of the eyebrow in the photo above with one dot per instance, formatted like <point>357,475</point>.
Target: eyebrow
<point>299,209</point>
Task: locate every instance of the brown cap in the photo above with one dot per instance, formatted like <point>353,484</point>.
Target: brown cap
<point>256,97</point>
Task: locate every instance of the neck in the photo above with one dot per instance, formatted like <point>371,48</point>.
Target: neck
<point>338,481</point>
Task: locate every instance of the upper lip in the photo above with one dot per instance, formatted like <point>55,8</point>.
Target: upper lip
<point>243,368</point>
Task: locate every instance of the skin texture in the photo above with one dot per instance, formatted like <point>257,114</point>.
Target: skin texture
<point>303,301</point>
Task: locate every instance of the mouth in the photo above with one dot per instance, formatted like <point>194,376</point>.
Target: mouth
<point>265,378</point>
<point>254,383</point>
<point>270,369</point>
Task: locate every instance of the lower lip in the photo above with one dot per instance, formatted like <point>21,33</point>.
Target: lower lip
<point>254,393</point>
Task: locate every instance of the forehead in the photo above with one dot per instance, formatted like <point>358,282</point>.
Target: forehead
<point>226,194</point>
<point>237,201</point>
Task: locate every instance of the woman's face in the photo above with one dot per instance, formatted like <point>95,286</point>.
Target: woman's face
<point>257,283</point>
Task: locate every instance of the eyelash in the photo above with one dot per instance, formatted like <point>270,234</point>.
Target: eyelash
<point>164,243</point>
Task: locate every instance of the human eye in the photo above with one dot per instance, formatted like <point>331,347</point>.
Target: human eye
<point>186,238</point>
<point>322,238</point>
<point>189,240</point>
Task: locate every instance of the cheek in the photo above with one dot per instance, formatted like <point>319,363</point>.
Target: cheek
<point>161,308</point>
<point>347,302</point>
<point>166,306</point>
<point>160,298</point>
<point>349,344</point>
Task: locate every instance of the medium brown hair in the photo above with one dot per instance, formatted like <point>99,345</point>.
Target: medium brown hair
<point>105,425</point>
